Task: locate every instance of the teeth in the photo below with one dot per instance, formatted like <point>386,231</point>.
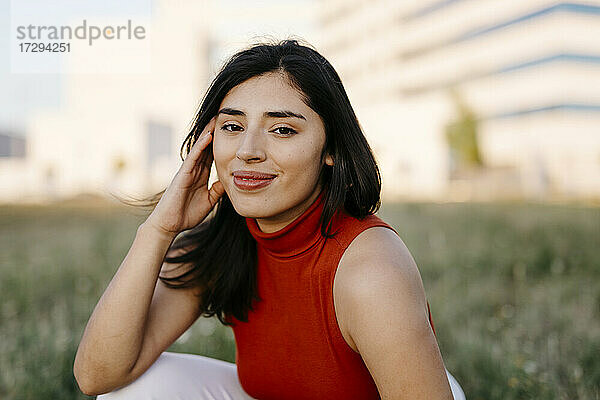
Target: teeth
<point>250,179</point>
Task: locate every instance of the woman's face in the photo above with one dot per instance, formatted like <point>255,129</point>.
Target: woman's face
<point>255,132</point>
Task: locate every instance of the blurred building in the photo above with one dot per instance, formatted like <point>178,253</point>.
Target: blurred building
<point>466,99</point>
<point>13,161</point>
<point>12,145</point>
<point>460,99</point>
<point>121,133</point>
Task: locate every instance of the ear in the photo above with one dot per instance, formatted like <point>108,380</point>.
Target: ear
<point>329,159</point>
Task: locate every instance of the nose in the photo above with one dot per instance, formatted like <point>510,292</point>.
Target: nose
<point>250,148</point>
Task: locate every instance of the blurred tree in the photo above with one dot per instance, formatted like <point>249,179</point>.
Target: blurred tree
<point>118,164</point>
<point>461,136</point>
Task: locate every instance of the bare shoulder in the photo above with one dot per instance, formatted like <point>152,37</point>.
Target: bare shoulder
<point>377,253</point>
<point>377,263</point>
<point>376,240</point>
<point>382,313</point>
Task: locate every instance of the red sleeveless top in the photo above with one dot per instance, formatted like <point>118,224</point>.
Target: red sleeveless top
<point>292,347</point>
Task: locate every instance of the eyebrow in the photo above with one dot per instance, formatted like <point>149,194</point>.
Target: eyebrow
<point>266,114</point>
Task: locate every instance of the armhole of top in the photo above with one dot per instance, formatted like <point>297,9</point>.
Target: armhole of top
<point>372,222</point>
<point>430,319</point>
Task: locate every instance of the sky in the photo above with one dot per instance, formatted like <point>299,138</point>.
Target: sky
<point>22,94</point>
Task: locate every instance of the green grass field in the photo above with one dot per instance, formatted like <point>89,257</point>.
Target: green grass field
<point>514,292</point>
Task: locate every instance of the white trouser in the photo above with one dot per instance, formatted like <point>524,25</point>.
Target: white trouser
<point>181,376</point>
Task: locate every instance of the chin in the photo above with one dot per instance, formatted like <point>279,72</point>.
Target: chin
<point>251,205</point>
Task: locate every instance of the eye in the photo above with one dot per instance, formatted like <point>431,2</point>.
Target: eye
<point>286,131</point>
<point>224,127</point>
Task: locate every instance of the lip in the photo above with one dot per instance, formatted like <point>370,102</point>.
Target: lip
<point>252,180</point>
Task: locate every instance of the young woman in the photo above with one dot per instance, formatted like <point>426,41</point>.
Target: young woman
<point>324,298</point>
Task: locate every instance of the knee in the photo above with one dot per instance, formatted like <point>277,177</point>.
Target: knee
<point>173,373</point>
<point>148,383</point>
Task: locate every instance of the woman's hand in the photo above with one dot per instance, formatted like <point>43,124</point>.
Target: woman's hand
<point>187,200</point>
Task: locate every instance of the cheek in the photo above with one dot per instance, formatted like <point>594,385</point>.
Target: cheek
<point>220,155</point>
<point>301,161</point>
<point>221,146</point>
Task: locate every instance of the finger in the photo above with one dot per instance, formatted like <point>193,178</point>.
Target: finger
<point>191,161</point>
<point>212,124</point>
<point>216,191</point>
<point>194,156</point>
<point>208,129</point>
<point>205,164</point>
<point>196,150</point>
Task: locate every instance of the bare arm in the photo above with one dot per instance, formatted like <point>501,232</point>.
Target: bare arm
<point>383,308</point>
<point>137,317</point>
<point>135,320</point>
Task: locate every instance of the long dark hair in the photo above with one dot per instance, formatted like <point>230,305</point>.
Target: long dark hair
<point>220,252</point>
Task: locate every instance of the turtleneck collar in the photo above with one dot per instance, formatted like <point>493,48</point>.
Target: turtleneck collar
<point>294,238</point>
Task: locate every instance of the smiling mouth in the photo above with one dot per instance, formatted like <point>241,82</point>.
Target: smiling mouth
<point>246,183</point>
